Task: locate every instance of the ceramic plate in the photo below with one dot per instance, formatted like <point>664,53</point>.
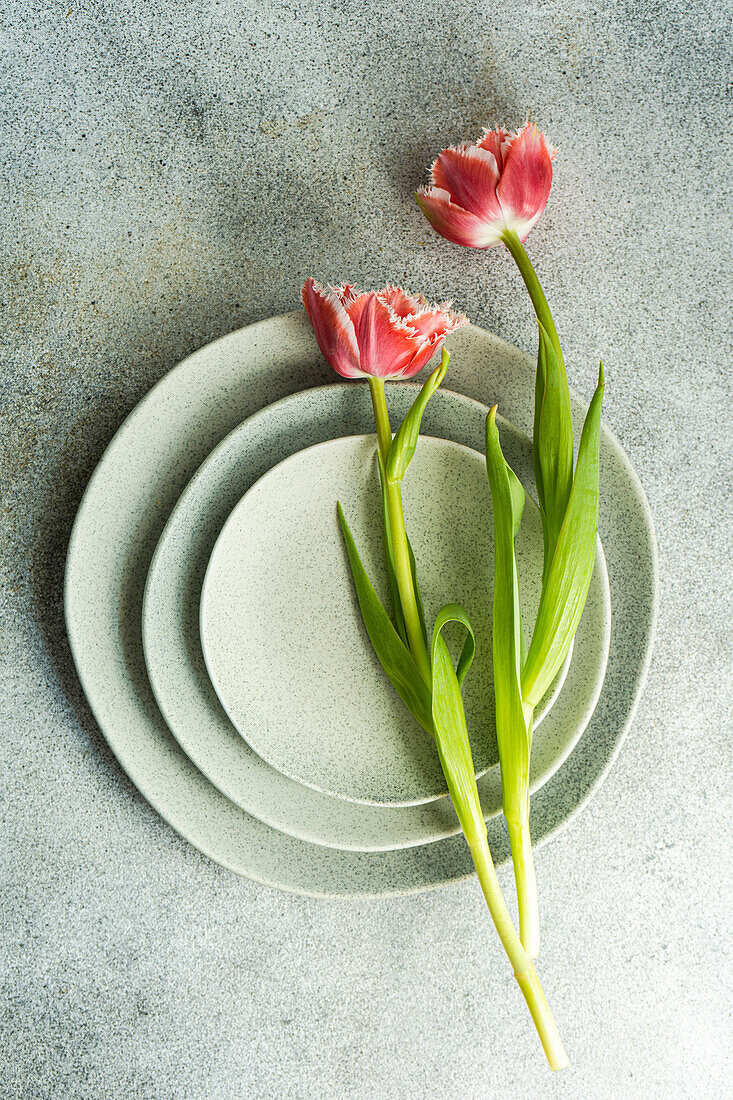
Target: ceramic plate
<point>283,638</point>
<point>173,651</point>
<point>120,519</point>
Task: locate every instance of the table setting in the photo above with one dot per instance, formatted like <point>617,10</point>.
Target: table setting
<point>363,482</point>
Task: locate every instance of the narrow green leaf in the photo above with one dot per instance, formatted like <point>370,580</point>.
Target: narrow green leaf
<point>518,495</point>
<point>449,724</point>
<point>394,657</point>
<point>553,443</point>
<point>513,720</point>
<point>394,590</point>
<point>418,594</point>
<point>568,579</point>
<point>539,393</point>
<point>405,441</point>
<point>516,490</point>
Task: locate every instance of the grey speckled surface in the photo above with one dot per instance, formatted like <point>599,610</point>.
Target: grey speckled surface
<point>172,172</point>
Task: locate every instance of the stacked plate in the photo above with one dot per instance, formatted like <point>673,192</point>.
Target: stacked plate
<point>215,631</point>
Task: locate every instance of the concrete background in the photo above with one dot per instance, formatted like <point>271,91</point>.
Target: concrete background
<point>172,171</point>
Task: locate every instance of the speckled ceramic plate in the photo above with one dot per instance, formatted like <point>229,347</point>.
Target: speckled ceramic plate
<point>178,675</point>
<point>281,631</point>
<point>123,512</point>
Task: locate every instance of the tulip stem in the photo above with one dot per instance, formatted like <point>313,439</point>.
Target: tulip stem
<point>400,548</point>
<point>524,971</point>
<point>381,417</point>
<point>519,835</point>
<point>405,585</point>
<point>526,882</point>
<point>532,283</point>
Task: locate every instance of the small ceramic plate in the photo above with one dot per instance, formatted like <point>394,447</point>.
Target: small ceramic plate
<point>175,662</point>
<point>122,515</point>
<point>282,634</point>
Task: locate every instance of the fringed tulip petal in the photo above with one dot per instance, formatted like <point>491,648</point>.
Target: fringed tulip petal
<point>386,344</point>
<point>526,180</point>
<point>346,294</point>
<point>425,319</point>
<point>333,328</point>
<point>426,349</point>
<point>495,142</point>
<point>404,305</point>
<point>454,223</point>
<point>469,175</point>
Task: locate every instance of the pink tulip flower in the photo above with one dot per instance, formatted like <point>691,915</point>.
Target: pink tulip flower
<point>480,192</point>
<point>384,334</point>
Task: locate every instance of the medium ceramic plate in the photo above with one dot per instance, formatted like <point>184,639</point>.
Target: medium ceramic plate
<point>121,517</point>
<point>173,650</point>
<point>281,632</point>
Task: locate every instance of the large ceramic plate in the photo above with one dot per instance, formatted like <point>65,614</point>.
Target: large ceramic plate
<point>283,638</point>
<point>173,650</point>
<point>120,520</point>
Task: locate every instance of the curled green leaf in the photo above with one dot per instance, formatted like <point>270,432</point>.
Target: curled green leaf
<point>449,724</point>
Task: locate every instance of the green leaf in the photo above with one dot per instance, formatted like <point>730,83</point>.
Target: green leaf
<point>405,442</point>
<point>553,443</point>
<point>566,585</point>
<point>394,657</point>
<point>449,724</point>
<point>516,490</point>
<point>418,594</point>
<point>394,590</point>
<point>513,719</point>
<point>539,393</point>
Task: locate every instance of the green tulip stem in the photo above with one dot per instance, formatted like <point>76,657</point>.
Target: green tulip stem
<point>381,417</point>
<point>405,584</point>
<point>526,882</point>
<point>524,971</point>
<point>532,283</point>
<point>400,549</point>
<point>466,803</point>
<point>519,835</point>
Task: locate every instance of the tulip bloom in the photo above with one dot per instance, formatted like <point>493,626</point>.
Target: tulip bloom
<point>480,192</point>
<point>384,334</point>
<point>494,192</point>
